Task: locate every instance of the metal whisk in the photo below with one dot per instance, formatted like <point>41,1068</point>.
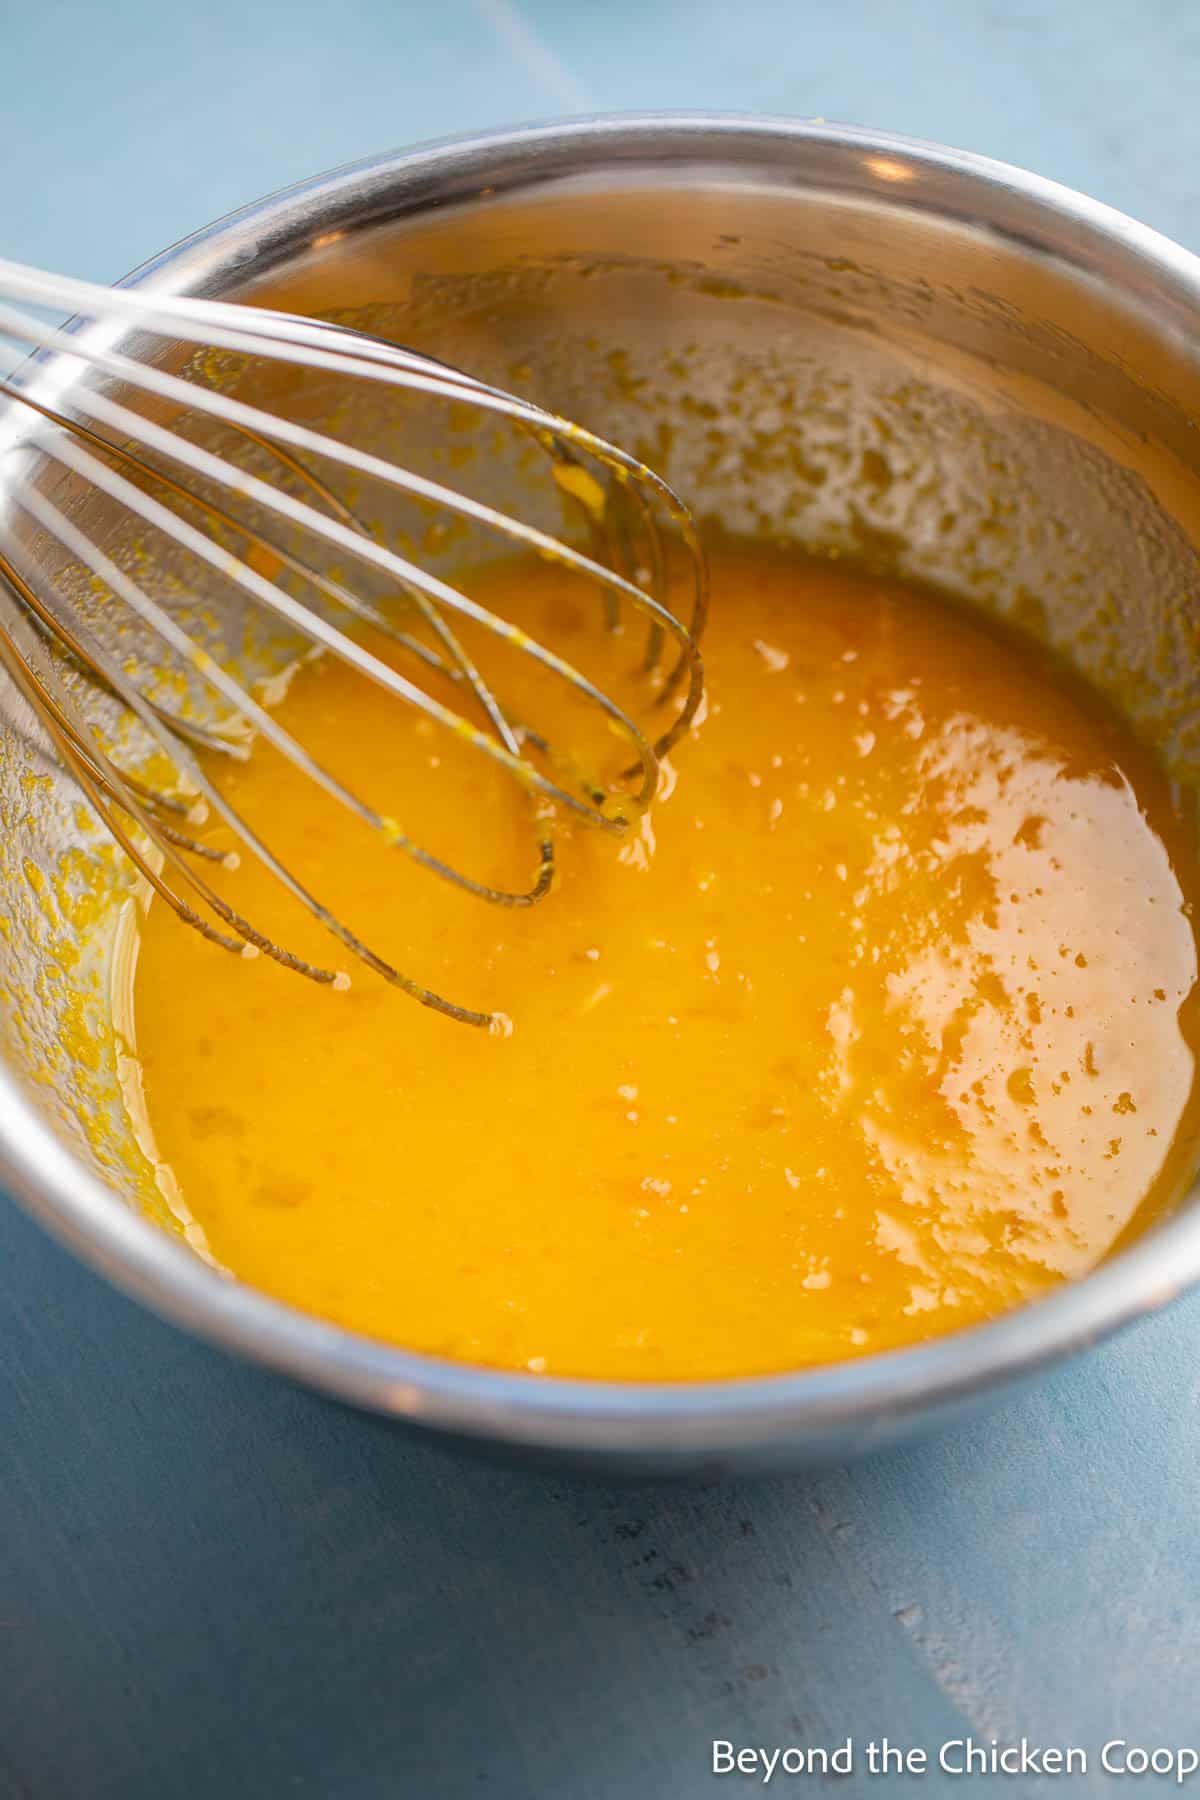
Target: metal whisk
<point>142,462</point>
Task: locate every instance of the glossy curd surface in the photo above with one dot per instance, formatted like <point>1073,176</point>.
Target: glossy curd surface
<point>878,1024</point>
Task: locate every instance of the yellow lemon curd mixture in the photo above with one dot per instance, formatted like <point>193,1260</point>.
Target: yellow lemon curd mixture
<point>876,1026</point>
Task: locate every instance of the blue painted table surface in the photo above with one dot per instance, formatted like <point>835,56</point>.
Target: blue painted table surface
<point>215,1585</point>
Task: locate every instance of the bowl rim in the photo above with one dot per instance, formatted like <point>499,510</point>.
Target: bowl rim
<point>552,1411</point>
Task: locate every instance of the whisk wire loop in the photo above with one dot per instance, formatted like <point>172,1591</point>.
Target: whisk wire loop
<point>154,473</point>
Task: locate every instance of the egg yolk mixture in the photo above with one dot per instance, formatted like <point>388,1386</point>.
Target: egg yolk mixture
<point>877,1024</point>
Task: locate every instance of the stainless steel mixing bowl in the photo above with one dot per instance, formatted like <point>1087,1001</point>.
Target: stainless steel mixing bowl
<point>835,336</point>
